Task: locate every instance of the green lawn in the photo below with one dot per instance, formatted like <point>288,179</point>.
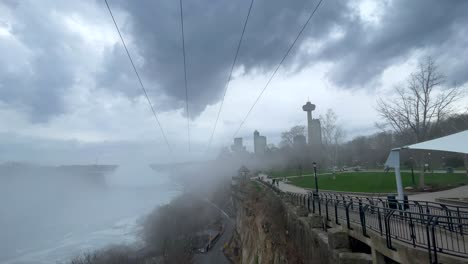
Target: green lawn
<point>257,186</point>
<point>289,172</point>
<point>377,181</point>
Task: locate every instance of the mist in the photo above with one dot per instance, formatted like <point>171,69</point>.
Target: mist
<point>51,213</point>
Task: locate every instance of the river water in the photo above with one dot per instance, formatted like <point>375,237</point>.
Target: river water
<point>52,221</point>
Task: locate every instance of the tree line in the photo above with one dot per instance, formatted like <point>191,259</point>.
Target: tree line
<point>423,108</point>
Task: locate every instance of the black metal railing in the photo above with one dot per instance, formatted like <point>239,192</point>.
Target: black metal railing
<point>436,227</point>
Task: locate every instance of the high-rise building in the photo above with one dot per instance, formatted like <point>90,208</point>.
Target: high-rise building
<point>299,141</point>
<point>238,145</point>
<point>260,143</point>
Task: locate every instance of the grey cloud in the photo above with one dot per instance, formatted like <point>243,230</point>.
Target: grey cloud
<point>212,30</point>
<point>42,58</point>
<point>406,26</point>
<point>117,74</point>
<point>46,67</point>
<point>49,59</point>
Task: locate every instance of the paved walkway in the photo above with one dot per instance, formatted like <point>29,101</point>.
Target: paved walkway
<point>459,192</point>
<point>351,171</point>
<point>216,255</point>
<point>284,186</point>
<point>306,175</point>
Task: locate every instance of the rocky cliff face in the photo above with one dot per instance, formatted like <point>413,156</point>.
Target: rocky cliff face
<point>261,234</point>
<point>271,229</point>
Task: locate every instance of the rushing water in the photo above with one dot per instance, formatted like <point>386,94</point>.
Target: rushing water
<point>51,221</point>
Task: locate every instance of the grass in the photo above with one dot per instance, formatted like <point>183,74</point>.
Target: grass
<point>378,181</point>
<point>257,186</point>
<point>289,172</point>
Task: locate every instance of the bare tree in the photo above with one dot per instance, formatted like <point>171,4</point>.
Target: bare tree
<point>332,136</point>
<point>421,105</point>
<point>287,137</point>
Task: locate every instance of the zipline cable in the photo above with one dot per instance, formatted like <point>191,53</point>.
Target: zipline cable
<point>138,76</point>
<point>230,73</point>
<point>277,67</point>
<point>185,73</point>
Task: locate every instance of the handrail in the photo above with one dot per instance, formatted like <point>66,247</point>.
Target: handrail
<point>436,227</point>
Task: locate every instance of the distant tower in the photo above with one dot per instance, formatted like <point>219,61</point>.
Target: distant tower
<point>314,131</point>
<point>238,147</point>
<point>299,141</point>
<point>260,143</point>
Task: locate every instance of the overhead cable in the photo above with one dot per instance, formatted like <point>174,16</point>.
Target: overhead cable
<point>277,67</point>
<point>230,73</point>
<point>138,77</point>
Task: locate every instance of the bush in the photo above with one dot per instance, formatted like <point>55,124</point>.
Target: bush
<point>169,233</point>
<point>114,255</point>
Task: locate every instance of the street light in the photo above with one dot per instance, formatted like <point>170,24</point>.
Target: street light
<point>315,194</point>
<point>315,176</point>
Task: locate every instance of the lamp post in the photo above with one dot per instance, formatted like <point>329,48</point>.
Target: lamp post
<point>315,176</point>
<point>316,196</point>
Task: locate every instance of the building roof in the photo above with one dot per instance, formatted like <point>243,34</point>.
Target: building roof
<point>457,142</point>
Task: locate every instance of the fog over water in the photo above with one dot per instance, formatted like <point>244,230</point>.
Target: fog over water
<point>48,217</point>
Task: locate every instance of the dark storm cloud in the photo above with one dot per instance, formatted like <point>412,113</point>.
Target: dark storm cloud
<point>213,27</point>
<point>40,59</point>
<point>47,57</point>
<point>212,30</point>
<point>47,72</point>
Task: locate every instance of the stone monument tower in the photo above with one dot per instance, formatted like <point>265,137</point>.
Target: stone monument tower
<point>314,131</point>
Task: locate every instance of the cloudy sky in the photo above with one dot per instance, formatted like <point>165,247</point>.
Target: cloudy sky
<point>69,94</point>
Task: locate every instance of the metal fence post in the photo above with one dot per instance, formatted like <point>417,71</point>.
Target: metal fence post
<point>347,215</point>
<point>362,216</point>
<point>313,203</point>
<point>429,219</point>
<point>412,232</point>
<point>336,211</point>
<point>388,232</point>
<point>434,242</point>
<point>460,225</point>
<point>449,218</point>
<point>326,207</point>
<point>319,204</point>
<point>379,218</point>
